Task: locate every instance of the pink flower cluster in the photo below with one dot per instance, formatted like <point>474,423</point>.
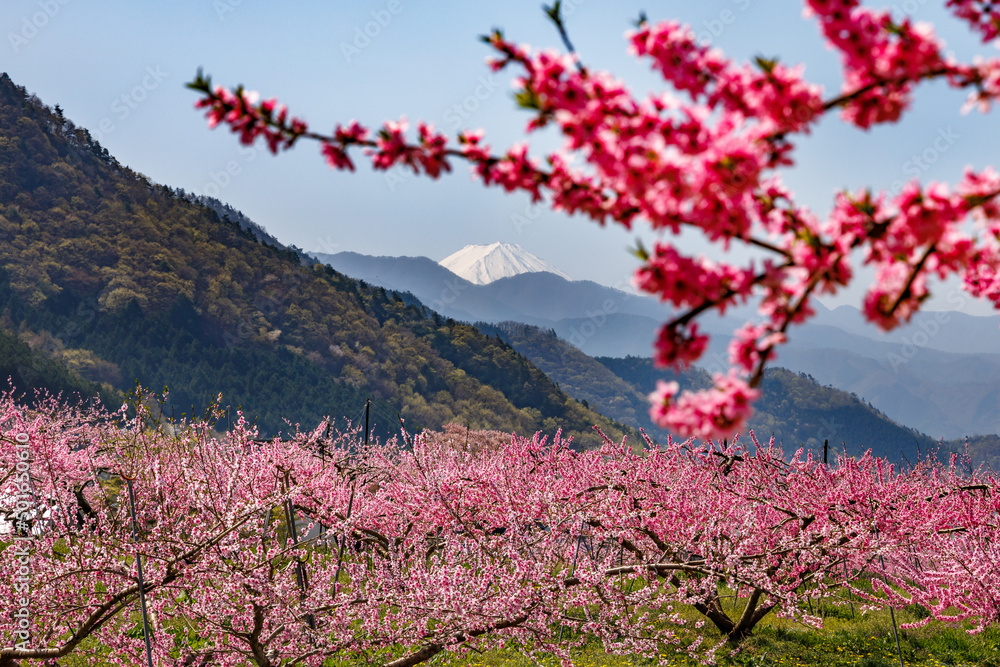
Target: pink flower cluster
<point>882,58</point>
<point>677,348</point>
<point>391,148</point>
<point>775,95</point>
<point>335,151</point>
<point>685,281</point>
<point>516,170</point>
<point>920,235</point>
<point>251,120</point>
<point>982,15</point>
<point>713,413</point>
<point>752,345</point>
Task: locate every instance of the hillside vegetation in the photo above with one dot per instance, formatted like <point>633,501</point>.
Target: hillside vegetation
<point>799,412</point>
<point>31,373</point>
<point>793,407</point>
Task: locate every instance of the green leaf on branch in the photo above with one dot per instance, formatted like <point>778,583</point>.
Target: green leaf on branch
<point>201,83</point>
<point>766,64</point>
<point>526,99</point>
<point>495,36</point>
<point>554,12</point>
<point>808,237</point>
<point>640,251</point>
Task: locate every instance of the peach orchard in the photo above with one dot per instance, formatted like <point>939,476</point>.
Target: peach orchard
<point>456,542</point>
<point>290,552</point>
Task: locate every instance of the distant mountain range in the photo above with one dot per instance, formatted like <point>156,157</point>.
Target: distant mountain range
<point>541,298</point>
<point>483,264</point>
<point>940,374</point>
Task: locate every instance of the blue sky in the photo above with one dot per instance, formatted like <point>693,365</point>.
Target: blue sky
<point>119,69</point>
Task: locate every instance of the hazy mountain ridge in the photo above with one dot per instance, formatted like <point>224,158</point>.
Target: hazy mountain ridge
<point>799,412</point>
<point>437,288</point>
<point>582,377</point>
<point>945,394</point>
<point>539,298</point>
<point>793,408</point>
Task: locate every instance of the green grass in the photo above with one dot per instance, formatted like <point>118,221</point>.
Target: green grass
<point>864,641</point>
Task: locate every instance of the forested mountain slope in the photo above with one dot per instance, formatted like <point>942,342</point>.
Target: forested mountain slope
<point>33,373</point>
<point>137,282</point>
<point>793,407</point>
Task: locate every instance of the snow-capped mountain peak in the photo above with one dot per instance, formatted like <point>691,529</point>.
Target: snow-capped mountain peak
<point>482,264</point>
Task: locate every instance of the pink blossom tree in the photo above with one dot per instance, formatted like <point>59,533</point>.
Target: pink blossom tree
<point>68,557</point>
<point>474,547</point>
<point>478,547</point>
<point>202,530</point>
<point>947,560</point>
<point>707,155</point>
<point>262,594</point>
